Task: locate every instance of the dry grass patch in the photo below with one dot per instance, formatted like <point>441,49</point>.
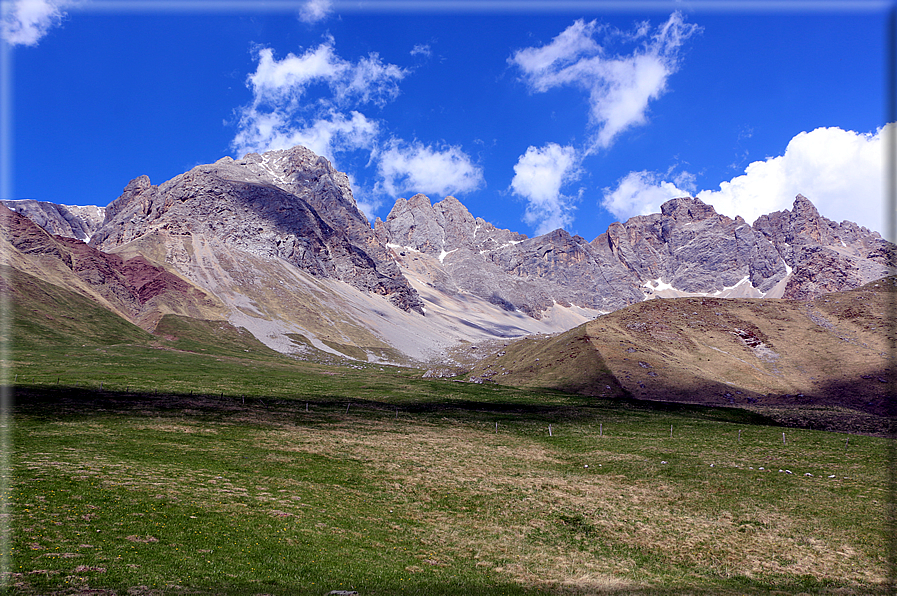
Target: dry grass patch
<point>508,500</point>
<point>431,494</point>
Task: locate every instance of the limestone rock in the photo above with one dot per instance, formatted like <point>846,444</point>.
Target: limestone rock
<point>688,247</point>
<point>692,248</point>
<point>824,256</point>
<point>282,204</point>
<point>70,221</point>
<point>138,290</point>
<point>293,205</point>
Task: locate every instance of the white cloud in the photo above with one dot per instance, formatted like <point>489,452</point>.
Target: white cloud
<point>640,193</point>
<point>539,175</point>
<point>315,10</point>
<point>842,172</point>
<point>25,22</point>
<point>415,167</point>
<point>326,136</point>
<point>421,50</point>
<point>311,99</point>
<point>619,86</point>
<point>285,81</point>
<point>281,113</point>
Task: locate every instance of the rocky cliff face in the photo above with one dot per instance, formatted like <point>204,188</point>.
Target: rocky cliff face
<point>824,256</point>
<point>287,204</point>
<point>69,221</point>
<point>461,253</point>
<point>692,248</point>
<point>686,249</point>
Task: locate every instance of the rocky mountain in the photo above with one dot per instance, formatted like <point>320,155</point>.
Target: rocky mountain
<point>824,256</point>
<point>275,243</point>
<point>279,240</point>
<point>290,205</point>
<point>685,250</point>
<point>69,221</point>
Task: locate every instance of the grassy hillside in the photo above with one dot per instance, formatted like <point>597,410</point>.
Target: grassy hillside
<point>44,315</point>
<point>827,358</point>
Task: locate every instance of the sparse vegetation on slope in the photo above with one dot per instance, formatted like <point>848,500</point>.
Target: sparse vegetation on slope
<point>827,357</point>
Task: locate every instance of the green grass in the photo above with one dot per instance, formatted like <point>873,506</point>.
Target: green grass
<point>221,518</point>
<point>426,496</point>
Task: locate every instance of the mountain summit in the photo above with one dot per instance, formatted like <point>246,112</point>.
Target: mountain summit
<point>290,205</point>
<point>687,249</point>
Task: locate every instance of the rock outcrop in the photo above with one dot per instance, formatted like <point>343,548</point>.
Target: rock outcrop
<point>273,237</point>
<point>460,253</point>
<point>69,221</point>
<point>686,249</point>
<point>824,256</point>
<point>692,248</point>
<point>284,204</point>
<point>133,287</point>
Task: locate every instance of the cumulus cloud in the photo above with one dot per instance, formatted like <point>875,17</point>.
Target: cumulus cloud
<point>841,171</point>
<point>620,86</point>
<point>539,176</point>
<point>283,114</point>
<point>325,136</point>
<point>415,167</point>
<point>25,22</point>
<point>369,80</point>
<point>640,193</point>
<point>315,99</point>
<point>315,10</point>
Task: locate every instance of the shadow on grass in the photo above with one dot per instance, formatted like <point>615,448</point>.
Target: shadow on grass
<point>54,403</point>
<point>738,585</point>
<point>59,401</point>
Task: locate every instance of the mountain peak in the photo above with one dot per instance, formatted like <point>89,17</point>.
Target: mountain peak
<point>804,207</point>
<point>687,208</point>
<point>220,224</point>
<point>139,183</point>
<point>289,204</point>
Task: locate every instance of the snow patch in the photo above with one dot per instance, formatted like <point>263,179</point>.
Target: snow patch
<point>657,288</point>
<point>399,247</point>
<point>744,280</point>
<point>265,163</point>
<point>444,254</point>
<point>658,285</point>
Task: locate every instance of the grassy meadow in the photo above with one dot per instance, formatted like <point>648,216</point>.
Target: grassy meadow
<point>197,461</point>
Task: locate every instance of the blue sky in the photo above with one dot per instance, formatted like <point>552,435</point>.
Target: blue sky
<point>534,117</point>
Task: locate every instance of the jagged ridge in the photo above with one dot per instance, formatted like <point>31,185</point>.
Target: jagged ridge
<point>246,231</point>
<point>686,249</point>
